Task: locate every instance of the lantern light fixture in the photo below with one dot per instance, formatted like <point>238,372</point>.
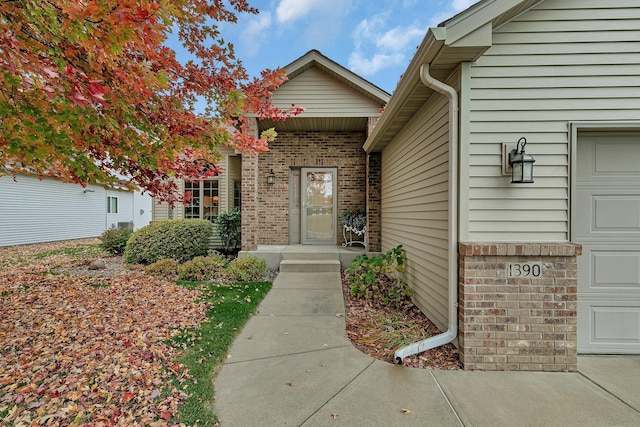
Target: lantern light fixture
<point>271,178</point>
<point>521,164</point>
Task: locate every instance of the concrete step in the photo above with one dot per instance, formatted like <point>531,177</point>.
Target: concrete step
<point>311,255</point>
<point>309,266</point>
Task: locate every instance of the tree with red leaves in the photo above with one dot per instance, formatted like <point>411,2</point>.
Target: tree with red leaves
<point>90,92</point>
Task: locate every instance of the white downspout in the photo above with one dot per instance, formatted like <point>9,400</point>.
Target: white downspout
<point>452,332</point>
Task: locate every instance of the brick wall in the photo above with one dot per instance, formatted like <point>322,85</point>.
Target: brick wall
<point>342,150</point>
<point>249,203</point>
<point>374,201</point>
<point>518,306</point>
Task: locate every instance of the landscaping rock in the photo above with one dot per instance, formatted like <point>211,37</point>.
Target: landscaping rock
<point>97,265</point>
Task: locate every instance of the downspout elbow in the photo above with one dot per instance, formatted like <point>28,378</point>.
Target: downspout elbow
<point>450,334</point>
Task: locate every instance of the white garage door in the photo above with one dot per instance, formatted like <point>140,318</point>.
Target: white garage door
<point>607,224</point>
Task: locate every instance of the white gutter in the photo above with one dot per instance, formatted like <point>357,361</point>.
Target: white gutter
<point>452,332</point>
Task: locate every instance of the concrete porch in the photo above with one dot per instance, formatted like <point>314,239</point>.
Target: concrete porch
<point>288,257</point>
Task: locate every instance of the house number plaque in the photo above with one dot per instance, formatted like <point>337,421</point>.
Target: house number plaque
<point>524,270</point>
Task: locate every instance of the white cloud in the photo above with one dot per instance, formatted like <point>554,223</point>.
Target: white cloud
<point>290,10</point>
<point>399,37</point>
<point>359,64</point>
<point>252,38</point>
<point>377,48</point>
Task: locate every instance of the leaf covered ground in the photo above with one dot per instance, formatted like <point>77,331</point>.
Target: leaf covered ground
<point>84,350</point>
<point>379,331</point>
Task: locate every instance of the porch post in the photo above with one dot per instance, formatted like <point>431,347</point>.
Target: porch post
<point>250,197</point>
<point>374,201</point>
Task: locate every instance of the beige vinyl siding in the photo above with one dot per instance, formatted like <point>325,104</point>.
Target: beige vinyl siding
<point>234,174</point>
<point>323,96</point>
<point>415,167</point>
<point>559,62</point>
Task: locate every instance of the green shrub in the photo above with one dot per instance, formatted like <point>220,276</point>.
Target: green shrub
<point>229,227</point>
<point>376,278</point>
<point>179,239</point>
<point>247,269</point>
<point>203,268</point>
<point>167,268</point>
<point>114,240</point>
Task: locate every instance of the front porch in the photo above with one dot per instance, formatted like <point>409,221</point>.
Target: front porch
<point>310,254</point>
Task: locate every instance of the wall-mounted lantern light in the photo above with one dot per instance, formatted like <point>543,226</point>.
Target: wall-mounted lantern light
<point>521,164</point>
<point>271,178</point>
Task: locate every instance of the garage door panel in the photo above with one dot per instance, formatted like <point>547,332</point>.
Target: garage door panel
<point>608,269</point>
<point>609,159</point>
<point>615,269</point>
<point>609,326</point>
<point>606,213</point>
<point>616,213</point>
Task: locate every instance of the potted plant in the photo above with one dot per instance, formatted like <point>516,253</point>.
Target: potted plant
<point>354,221</point>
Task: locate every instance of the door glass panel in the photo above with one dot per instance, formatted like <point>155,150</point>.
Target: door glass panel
<point>319,209</point>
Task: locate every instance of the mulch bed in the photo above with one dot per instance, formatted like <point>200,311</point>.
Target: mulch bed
<point>375,330</point>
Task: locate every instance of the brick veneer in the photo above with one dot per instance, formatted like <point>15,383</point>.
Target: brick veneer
<point>374,201</point>
<point>342,150</point>
<point>249,203</point>
<point>518,323</point>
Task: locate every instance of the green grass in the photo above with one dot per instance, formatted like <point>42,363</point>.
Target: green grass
<point>205,349</point>
<point>84,251</point>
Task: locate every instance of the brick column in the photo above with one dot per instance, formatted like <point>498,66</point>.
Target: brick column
<point>374,201</point>
<point>518,306</point>
<point>250,197</point>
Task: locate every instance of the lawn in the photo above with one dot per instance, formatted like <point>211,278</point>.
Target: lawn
<point>119,350</point>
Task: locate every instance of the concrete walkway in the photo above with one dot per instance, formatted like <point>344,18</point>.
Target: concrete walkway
<point>293,366</point>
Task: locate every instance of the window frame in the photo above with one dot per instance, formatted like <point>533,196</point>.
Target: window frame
<point>112,201</point>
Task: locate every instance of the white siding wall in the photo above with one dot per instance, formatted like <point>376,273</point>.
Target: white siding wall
<point>322,96</point>
<point>415,193</point>
<point>562,61</point>
<point>34,211</point>
<point>125,208</point>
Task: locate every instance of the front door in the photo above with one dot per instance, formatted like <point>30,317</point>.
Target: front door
<point>319,205</point>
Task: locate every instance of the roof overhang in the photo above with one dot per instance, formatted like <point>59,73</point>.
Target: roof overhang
<point>463,38</point>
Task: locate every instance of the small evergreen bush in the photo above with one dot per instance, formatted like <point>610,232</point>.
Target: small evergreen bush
<point>229,228</point>
<point>247,269</point>
<point>203,268</point>
<point>115,240</point>
<point>167,268</point>
<point>376,278</point>
<point>179,239</point>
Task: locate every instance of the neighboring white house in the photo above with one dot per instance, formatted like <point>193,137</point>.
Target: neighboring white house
<point>534,273</point>
<point>46,210</point>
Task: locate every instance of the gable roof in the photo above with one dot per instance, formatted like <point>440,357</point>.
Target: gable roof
<point>333,97</point>
<point>462,38</point>
<point>314,58</point>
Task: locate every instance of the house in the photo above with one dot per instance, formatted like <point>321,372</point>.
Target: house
<point>525,275</point>
<point>36,210</point>
<point>315,169</point>
<point>522,276</point>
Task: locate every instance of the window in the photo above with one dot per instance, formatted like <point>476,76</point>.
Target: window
<point>112,205</point>
<point>237,194</point>
<point>204,200</point>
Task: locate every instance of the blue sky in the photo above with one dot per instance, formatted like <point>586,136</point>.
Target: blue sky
<point>373,38</point>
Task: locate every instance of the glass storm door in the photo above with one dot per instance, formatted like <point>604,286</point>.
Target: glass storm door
<point>319,205</point>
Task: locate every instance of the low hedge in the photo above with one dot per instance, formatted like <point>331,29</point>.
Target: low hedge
<point>179,239</point>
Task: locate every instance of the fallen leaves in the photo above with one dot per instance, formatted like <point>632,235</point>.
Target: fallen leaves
<point>379,331</point>
<point>75,353</point>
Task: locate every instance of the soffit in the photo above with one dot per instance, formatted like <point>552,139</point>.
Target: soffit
<point>302,124</point>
